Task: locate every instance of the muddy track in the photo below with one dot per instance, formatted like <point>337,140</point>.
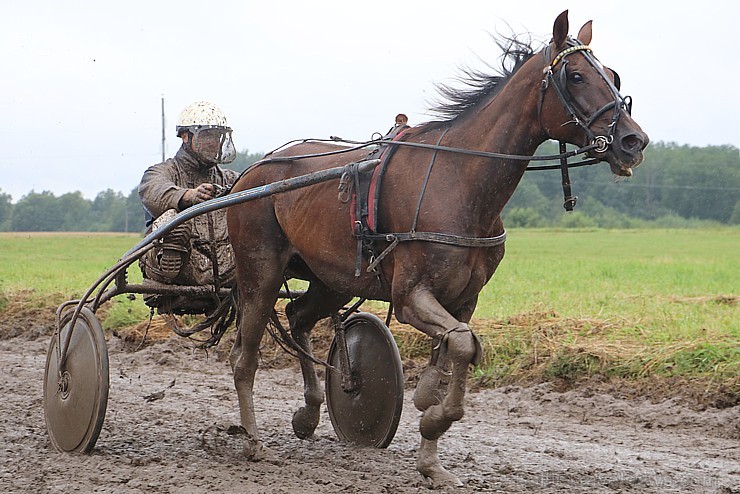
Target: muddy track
<point>512,439</point>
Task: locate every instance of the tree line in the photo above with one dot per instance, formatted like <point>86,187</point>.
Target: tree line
<point>110,211</point>
<point>676,186</point>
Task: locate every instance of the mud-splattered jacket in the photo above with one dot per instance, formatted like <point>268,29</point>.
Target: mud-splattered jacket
<point>161,189</point>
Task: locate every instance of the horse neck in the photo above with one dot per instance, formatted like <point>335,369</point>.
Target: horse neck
<point>506,123</point>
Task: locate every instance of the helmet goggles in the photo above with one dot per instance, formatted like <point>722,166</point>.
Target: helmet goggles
<point>212,144</point>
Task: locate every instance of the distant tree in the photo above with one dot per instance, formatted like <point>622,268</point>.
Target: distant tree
<point>37,213</point>
<point>244,160</point>
<point>576,219</point>
<point>109,211</point>
<point>134,212</point>
<point>6,211</point>
<point>528,195</point>
<point>523,218</point>
<point>703,183</point>
<point>605,216</point>
<point>673,180</point>
<point>76,211</point>
<point>735,217</point>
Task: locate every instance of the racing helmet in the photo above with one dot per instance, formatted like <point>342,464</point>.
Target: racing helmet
<point>211,140</point>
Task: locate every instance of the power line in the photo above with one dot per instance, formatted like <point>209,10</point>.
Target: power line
<point>684,187</point>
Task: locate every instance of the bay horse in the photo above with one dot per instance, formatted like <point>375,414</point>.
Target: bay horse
<point>560,92</point>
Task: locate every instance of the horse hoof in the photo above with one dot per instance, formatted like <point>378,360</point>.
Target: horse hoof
<point>253,449</point>
<point>439,477</point>
<point>305,421</point>
<point>264,454</point>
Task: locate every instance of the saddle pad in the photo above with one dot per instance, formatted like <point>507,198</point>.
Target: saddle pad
<point>369,194</point>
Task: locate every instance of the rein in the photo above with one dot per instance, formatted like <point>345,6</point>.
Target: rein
<point>563,157</point>
<point>356,145</point>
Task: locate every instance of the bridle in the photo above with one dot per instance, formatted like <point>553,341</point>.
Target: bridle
<point>557,78</point>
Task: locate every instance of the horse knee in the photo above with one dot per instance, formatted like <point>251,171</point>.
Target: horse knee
<point>464,346</point>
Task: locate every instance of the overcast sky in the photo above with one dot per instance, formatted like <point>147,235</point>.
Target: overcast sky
<point>82,82</point>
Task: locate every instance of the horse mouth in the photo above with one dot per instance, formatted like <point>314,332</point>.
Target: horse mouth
<point>625,168</point>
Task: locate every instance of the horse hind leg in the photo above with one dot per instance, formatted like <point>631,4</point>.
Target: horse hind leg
<point>303,314</point>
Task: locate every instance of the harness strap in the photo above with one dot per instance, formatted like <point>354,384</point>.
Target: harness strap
<point>426,180</point>
<point>352,171</point>
<point>438,238</point>
<point>441,238</point>
<point>569,201</point>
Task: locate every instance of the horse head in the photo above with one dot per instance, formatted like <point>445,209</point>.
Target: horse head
<point>580,102</point>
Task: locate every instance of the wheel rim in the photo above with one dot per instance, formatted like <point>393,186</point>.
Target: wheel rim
<point>368,415</point>
<point>76,397</point>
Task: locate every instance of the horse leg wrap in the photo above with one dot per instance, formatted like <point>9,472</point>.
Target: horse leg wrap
<point>442,391</point>
<point>436,421</point>
<point>432,386</point>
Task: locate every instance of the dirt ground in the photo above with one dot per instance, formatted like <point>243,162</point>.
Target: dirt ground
<point>512,439</point>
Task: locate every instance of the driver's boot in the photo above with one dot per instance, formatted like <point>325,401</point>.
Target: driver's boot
<point>174,252</point>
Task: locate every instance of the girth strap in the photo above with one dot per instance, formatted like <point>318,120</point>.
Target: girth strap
<point>439,238</point>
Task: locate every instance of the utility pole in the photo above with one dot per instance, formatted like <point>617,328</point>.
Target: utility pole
<point>163,132</point>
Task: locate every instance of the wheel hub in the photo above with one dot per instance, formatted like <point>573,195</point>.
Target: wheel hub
<point>63,386</point>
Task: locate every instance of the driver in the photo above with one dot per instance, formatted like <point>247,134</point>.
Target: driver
<point>199,247</point>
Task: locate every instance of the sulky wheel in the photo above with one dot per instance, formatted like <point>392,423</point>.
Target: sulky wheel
<point>368,413</point>
<point>76,396</point>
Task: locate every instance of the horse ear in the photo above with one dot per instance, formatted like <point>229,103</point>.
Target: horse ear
<point>560,30</point>
<point>584,35</point>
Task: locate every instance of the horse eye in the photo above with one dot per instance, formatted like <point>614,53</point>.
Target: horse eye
<point>576,78</point>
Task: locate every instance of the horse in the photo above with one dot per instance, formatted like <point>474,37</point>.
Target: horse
<point>559,92</point>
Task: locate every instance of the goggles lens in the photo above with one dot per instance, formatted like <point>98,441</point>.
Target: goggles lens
<point>214,145</point>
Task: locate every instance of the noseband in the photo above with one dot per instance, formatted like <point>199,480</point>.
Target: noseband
<point>558,80</point>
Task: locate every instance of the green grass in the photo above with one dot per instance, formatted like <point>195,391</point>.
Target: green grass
<point>623,303</point>
<point>611,273</point>
<point>68,263</point>
<point>564,304</point>
<point>50,268</point>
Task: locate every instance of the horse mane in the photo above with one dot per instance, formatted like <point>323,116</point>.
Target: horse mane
<point>478,85</point>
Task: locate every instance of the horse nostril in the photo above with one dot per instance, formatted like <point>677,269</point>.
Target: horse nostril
<point>632,143</point>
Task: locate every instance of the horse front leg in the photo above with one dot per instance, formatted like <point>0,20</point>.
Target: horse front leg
<point>462,350</point>
<point>440,396</point>
<point>255,307</point>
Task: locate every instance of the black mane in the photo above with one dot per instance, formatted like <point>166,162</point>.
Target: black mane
<point>479,85</point>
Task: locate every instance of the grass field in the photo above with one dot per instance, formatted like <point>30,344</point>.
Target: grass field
<point>564,304</point>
